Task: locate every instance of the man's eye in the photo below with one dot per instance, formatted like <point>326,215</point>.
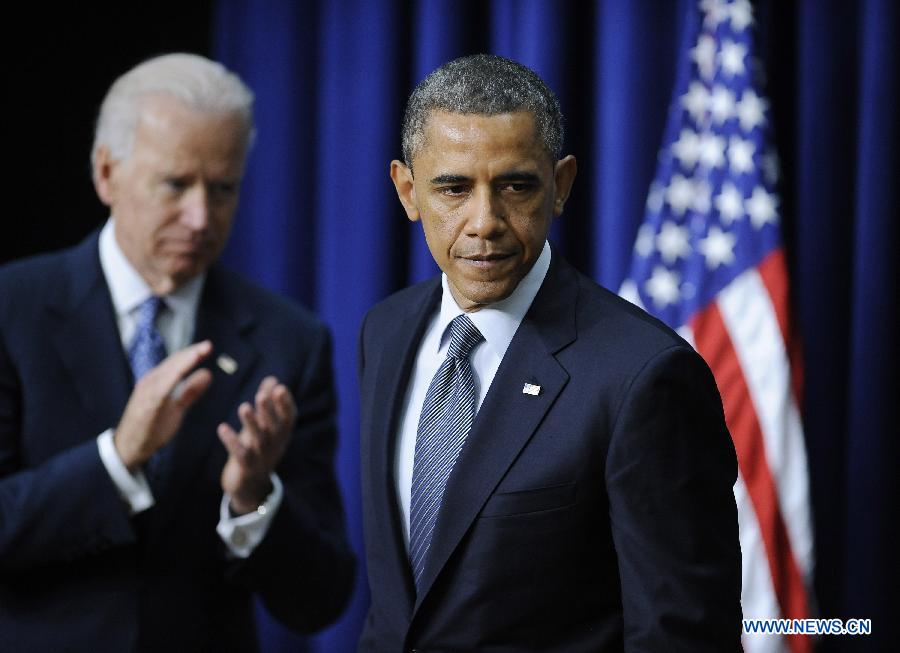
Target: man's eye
<point>176,185</point>
<point>458,189</point>
<point>517,187</point>
<point>223,189</point>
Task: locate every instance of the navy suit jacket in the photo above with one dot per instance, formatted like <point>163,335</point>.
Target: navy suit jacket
<point>77,573</point>
<point>595,516</point>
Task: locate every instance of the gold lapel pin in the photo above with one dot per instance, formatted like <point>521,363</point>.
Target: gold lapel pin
<point>531,389</point>
<point>227,364</point>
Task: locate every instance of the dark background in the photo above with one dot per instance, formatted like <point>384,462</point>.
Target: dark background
<point>59,63</point>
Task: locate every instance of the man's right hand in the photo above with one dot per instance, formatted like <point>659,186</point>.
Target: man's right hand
<point>155,409</point>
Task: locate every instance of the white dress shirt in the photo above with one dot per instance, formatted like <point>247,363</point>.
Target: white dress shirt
<point>498,323</point>
<point>176,326</point>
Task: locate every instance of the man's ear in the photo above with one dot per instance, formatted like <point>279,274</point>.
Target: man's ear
<point>563,176</point>
<point>406,190</point>
<point>103,174</point>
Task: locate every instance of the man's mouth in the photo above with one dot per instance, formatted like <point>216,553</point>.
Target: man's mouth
<point>486,262</point>
<point>486,258</point>
<point>188,246</point>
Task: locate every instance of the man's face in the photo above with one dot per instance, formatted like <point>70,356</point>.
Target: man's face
<point>174,198</point>
<point>486,191</point>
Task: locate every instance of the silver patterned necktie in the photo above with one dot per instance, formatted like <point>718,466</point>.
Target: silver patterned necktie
<point>445,421</point>
<point>148,349</point>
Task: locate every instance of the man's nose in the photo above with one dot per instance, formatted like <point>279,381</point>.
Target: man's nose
<point>195,208</point>
<point>487,217</point>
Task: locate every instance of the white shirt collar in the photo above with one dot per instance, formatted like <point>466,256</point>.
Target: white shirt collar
<point>499,321</point>
<point>129,290</point>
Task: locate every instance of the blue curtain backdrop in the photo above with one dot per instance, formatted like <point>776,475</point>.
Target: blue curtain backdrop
<point>319,219</point>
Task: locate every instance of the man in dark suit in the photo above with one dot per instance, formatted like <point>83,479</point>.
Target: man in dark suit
<point>124,524</point>
<point>545,466</point>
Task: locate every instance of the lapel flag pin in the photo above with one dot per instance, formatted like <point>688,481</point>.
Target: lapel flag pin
<point>531,389</point>
<point>227,364</point>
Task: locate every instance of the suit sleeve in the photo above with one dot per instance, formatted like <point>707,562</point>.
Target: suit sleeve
<point>304,568</point>
<point>62,510</point>
<point>670,473</point>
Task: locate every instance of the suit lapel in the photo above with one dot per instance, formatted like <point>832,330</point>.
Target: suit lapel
<point>87,339</point>
<point>393,367</point>
<point>508,417</point>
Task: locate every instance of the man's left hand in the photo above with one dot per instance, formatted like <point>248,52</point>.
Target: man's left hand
<point>256,450</point>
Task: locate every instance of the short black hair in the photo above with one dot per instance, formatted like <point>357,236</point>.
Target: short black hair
<point>484,84</point>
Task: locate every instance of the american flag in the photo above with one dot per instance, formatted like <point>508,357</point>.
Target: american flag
<point>708,260</point>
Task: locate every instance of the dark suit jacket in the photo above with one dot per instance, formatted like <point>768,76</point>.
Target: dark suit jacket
<point>76,571</point>
<point>596,516</point>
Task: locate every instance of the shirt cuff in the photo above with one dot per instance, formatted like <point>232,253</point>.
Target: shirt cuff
<point>242,534</point>
<point>133,488</point>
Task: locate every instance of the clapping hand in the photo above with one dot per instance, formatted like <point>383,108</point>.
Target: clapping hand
<point>256,450</point>
<point>158,403</point>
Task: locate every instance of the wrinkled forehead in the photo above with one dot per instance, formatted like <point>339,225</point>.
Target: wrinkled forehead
<point>172,136</point>
<point>449,134</point>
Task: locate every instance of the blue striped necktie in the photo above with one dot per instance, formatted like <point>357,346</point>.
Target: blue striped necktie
<point>148,349</point>
<point>447,416</point>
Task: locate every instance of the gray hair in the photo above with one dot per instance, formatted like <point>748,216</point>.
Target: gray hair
<point>196,81</point>
<point>483,84</point>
